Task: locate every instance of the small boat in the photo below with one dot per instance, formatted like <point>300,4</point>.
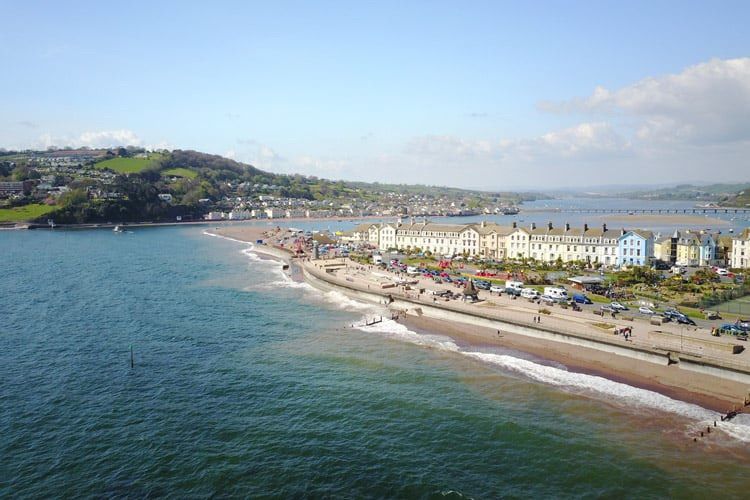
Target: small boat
<point>118,229</point>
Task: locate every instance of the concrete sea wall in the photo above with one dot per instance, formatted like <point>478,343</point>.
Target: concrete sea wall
<point>318,279</point>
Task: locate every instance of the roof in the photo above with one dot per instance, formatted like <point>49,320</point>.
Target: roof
<point>586,280</point>
<point>360,228</point>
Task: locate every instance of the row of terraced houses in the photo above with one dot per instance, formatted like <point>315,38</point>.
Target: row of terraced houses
<point>609,247</point>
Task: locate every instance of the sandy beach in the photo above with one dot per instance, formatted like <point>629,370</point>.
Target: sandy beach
<point>704,390</point>
<point>604,357</point>
<point>709,391</point>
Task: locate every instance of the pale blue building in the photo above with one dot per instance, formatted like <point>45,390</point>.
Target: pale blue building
<point>635,248</point>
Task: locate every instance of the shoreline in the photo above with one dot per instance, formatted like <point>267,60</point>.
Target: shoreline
<point>574,358</point>
<point>704,389</point>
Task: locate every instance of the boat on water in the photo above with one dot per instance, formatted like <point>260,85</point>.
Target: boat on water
<point>118,229</point>
<point>510,210</point>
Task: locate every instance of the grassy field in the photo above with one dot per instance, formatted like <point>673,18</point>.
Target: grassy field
<point>180,172</point>
<point>128,165</point>
<point>25,213</point>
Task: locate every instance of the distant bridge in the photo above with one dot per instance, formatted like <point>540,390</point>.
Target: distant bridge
<point>695,210</point>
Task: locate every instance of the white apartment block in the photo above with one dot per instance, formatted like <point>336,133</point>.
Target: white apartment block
<point>740,256</point>
<point>546,244</point>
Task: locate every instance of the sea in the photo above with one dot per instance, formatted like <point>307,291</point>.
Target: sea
<point>164,362</point>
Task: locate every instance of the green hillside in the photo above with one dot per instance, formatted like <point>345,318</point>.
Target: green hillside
<point>25,213</point>
<point>128,165</point>
<point>180,172</point>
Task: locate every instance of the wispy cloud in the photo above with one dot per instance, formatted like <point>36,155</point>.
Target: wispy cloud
<point>705,103</point>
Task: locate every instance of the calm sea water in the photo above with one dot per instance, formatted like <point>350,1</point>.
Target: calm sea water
<point>247,384</point>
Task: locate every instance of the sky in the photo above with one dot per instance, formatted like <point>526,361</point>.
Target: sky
<point>490,95</point>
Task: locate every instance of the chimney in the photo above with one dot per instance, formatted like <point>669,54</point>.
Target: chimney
<point>533,226</point>
<point>515,225</point>
<point>484,223</point>
<point>604,228</point>
<point>567,226</point>
<point>622,232</point>
<point>549,226</point>
<point>585,227</point>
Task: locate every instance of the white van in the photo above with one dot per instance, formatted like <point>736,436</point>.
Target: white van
<point>411,270</point>
<point>515,285</point>
<point>556,292</point>
<point>377,259</point>
<point>529,293</point>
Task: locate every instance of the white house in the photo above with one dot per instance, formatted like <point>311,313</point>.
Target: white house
<point>740,256</point>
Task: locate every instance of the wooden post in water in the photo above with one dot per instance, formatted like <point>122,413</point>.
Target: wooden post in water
<point>131,356</point>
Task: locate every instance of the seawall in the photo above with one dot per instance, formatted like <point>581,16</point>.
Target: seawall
<point>713,368</point>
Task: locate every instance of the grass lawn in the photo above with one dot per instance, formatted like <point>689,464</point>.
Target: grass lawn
<point>25,213</point>
<point>180,172</point>
<point>128,165</point>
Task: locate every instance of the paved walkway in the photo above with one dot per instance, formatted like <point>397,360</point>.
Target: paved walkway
<point>520,311</point>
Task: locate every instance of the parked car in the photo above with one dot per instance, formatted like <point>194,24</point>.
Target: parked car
<point>712,315</point>
<point>607,308</point>
<point>730,328</point>
<point>497,289</point>
<point>530,293</point>
<point>618,307</point>
<point>672,313</point>
<point>581,298</point>
<point>646,310</point>
<point>684,320</point>
<point>550,301</point>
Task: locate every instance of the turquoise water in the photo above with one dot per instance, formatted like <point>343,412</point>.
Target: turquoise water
<point>247,384</point>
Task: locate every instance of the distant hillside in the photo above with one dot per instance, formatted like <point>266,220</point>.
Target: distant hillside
<point>741,199</point>
<point>131,184</point>
<point>710,192</point>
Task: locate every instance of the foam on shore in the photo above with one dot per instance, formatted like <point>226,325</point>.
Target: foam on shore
<point>573,382</point>
<point>557,376</point>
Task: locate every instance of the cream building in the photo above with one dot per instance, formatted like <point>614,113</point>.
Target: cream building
<point>740,254</point>
<point>489,240</point>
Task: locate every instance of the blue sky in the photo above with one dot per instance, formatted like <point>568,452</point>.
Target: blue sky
<point>473,94</point>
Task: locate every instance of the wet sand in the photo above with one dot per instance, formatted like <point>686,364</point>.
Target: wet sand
<point>704,390</point>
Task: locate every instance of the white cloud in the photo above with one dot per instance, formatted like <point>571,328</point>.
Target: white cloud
<point>705,103</point>
<point>93,139</point>
<point>108,139</point>
<point>580,141</point>
<point>445,146</point>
